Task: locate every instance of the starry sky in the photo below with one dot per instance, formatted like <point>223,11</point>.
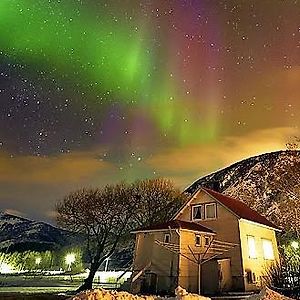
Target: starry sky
<point>93,92</point>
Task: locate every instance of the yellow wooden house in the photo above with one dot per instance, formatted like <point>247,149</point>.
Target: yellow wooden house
<point>214,244</point>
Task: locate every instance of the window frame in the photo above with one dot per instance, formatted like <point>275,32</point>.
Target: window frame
<point>250,250</point>
<point>165,238</point>
<point>215,209</point>
<point>201,210</point>
<point>207,238</point>
<point>266,257</point>
<point>200,240</point>
<point>251,277</point>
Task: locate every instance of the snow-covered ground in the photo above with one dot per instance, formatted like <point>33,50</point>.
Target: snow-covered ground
<point>181,294</point>
<point>101,294</point>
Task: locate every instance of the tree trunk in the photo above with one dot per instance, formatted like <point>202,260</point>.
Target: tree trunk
<point>88,282</point>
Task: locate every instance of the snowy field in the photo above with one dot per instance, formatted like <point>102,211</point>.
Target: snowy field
<point>49,287</point>
<point>37,296</point>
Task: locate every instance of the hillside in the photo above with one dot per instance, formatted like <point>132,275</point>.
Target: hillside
<point>20,234</point>
<point>269,183</point>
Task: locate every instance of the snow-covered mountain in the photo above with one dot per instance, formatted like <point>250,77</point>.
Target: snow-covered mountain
<point>20,234</point>
<point>269,183</point>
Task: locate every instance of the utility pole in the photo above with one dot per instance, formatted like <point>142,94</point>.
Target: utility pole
<point>199,275</point>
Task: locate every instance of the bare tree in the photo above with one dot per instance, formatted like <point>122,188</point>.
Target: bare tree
<point>199,255</point>
<point>158,201</point>
<point>106,216</point>
<point>103,216</point>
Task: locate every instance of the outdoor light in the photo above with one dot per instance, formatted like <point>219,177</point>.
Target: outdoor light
<point>37,260</point>
<point>70,259</point>
<point>295,245</point>
<point>106,264</point>
<point>5,268</point>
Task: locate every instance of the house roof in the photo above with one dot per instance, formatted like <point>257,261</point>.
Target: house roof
<point>240,208</point>
<point>177,224</point>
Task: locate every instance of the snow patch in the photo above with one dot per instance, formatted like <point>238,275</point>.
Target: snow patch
<point>101,294</point>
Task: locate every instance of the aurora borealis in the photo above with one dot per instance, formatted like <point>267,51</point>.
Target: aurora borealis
<point>93,92</point>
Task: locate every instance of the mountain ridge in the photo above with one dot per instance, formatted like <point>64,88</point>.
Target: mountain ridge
<point>21,234</point>
<point>269,183</point>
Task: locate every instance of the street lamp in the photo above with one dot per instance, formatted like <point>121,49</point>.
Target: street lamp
<point>106,264</point>
<point>70,259</point>
<point>38,261</point>
<point>5,268</point>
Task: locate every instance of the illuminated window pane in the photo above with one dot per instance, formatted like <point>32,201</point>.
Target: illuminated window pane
<point>251,246</point>
<point>197,212</point>
<point>210,211</point>
<point>267,249</point>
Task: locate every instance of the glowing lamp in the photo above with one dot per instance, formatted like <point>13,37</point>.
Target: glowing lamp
<point>5,268</point>
<point>37,260</point>
<point>70,258</point>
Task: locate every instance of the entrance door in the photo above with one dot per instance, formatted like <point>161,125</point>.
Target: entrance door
<point>149,283</point>
<point>224,274</point>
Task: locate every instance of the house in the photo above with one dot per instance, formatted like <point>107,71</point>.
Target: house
<point>213,244</point>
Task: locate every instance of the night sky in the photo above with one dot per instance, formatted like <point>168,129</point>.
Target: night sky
<point>94,92</point>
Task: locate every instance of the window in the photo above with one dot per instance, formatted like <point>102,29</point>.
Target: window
<point>250,277</point>
<point>197,212</point>
<point>210,211</point>
<point>198,240</point>
<point>167,238</point>
<point>207,241</point>
<point>267,249</point>
<point>251,246</point>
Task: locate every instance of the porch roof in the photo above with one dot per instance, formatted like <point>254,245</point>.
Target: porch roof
<point>176,224</point>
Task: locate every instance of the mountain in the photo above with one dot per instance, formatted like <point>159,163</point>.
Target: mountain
<point>269,183</point>
<point>20,234</point>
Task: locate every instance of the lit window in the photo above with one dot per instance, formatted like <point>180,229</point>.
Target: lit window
<point>267,249</point>
<point>197,212</point>
<point>167,238</point>
<point>210,211</point>
<point>251,246</point>
<point>198,240</point>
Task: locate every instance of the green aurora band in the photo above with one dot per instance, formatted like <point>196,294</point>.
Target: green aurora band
<point>102,55</point>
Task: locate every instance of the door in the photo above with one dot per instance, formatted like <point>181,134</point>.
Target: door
<point>149,283</point>
<point>224,274</point>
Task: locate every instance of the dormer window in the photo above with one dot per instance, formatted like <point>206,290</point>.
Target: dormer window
<point>210,211</point>
<point>197,212</point>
